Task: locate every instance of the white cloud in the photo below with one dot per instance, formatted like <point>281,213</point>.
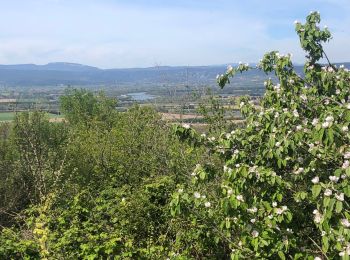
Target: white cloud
<point>119,34</point>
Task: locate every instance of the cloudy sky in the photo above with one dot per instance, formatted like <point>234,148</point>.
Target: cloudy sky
<point>143,33</point>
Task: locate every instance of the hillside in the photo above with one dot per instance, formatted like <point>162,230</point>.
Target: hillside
<point>76,74</point>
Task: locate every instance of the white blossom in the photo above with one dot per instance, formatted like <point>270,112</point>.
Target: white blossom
<point>303,97</point>
<point>345,128</point>
<point>279,211</point>
<point>274,204</point>
<point>255,233</point>
<point>318,216</point>
<point>227,169</point>
<point>317,258</point>
<point>329,119</point>
<point>315,180</point>
<point>315,121</point>
<point>330,69</point>
<point>295,113</point>
<point>345,222</point>
<point>240,198</point>
<point>229,68</point>
<point>253,220</point>
<point>327,192</point>
<point>340,196</point>
<point>299,127</point>
<point>278,144</point>
<point>207,204</point>
<point>333,178</point>
<point>325,125</point>
<point>345,164</point>
<point>180,190</point>
<point>347,155</point>
<point>197,195</point>
<point>229,192</point>
<point>187,126</point>
<point>252,210</point>
<point>300,170</point>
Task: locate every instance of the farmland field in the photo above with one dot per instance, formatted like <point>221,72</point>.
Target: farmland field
<point>9,116</point>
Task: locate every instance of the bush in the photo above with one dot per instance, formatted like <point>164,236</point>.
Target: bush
<point>283,189</point>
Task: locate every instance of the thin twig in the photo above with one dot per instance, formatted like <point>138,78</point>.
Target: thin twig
<point>313,241</point>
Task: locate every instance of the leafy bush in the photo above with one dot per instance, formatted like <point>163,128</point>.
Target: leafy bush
<point>283,189</point>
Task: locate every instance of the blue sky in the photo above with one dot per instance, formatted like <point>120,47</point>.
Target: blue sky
<point>143,33</point>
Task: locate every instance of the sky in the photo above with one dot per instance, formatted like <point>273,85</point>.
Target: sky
<point>145,33</point>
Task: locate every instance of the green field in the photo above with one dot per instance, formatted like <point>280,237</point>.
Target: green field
<point>9,116</point>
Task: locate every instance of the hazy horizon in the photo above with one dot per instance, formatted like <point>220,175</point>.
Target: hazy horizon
<point>139,34</point>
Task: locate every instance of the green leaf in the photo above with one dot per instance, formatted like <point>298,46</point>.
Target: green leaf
<point>281,255</point>
<point>347,190</point>
<point>228,223</point>
<point>330,135</point>
<point>316,189</point>
<point>339,206</point>
<point>326,201</point>
<point>202,175</point>
<point>325,244</point>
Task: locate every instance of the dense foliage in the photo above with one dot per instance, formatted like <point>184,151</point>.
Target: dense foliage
<point>283,189</point>
<point>109,185</point>
<point>97,185</point>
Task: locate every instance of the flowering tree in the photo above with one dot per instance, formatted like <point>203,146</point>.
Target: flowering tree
<point>283,189</point>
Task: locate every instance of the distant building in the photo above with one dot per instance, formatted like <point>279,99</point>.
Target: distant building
<point>7,100</point>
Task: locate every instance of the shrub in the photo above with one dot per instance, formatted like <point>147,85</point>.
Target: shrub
<point>283,188</point>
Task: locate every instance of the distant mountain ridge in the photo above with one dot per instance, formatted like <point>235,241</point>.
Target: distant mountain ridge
<point>57,66</point>
<point>64,73</point>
